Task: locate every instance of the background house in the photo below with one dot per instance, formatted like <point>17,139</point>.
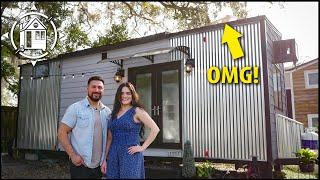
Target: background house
<point>302,93</point>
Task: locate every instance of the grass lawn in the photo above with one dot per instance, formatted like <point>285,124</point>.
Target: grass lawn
<point>292,172</point>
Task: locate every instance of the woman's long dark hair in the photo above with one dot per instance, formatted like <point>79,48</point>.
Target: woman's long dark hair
<point>135,102</point>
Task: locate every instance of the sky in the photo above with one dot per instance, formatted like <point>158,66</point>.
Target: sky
<point>298,20</point>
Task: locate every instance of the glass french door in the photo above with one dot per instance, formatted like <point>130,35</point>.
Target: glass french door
<point>159,88</point>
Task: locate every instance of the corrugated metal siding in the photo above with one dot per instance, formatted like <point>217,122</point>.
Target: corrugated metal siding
<point>38,109</point>
<point>273,34</point>
<point>225,119</point>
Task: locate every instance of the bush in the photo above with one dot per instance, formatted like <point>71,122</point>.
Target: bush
<point>306,156</point>
<point>205,170</point>
<point>307,159</point>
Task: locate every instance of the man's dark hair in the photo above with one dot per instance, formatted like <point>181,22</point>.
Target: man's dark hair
<point>98,78</point>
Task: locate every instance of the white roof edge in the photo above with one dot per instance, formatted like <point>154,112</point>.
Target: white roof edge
<point>301,67</point>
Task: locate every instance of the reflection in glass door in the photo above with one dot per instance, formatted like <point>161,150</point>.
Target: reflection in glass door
<point>170,106</point>
<point>143,87</point>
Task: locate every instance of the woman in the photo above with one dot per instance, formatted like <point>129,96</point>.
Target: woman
<point>123,150</point>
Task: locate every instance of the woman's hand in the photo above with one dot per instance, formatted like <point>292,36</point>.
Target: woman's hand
<point>142,116</point>
<point>134,149</point>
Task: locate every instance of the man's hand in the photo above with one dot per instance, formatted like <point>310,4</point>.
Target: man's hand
<point>77,160</point>
<point>104,167</point>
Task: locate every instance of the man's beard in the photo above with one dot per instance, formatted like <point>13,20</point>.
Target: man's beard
<point>95,97</point>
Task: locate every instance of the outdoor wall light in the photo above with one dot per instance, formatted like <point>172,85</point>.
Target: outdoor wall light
<point>119,74</point>
<point>189,65</point>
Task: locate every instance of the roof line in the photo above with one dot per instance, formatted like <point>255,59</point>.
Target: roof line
<point>31,21</point>
<point>160,36</point>
<point>302,65</point>
<point>156,37</point>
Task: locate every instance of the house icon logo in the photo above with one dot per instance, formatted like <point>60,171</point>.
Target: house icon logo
<point>35,34</point>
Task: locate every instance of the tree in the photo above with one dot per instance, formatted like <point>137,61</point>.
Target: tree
<point>157,15</point>
<point>117,34</point>
<point>9,58</point>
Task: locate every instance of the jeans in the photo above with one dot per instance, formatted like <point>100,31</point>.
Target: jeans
<point>82,172</point>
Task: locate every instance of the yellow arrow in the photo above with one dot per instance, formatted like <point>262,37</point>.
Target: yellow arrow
<point>231,36</point>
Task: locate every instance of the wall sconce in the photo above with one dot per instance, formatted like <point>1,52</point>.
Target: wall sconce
<point>189,65</point>
<point>119,74</point>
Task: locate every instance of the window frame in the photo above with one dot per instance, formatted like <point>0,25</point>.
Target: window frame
<point>306,79</point>
<point>310,116</point>
<point>35,76</point>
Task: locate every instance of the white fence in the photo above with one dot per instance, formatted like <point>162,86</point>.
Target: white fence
<point>288,136</point>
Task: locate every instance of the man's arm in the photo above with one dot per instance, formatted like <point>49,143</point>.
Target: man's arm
<point>65,142</point>
<point>63,132</point>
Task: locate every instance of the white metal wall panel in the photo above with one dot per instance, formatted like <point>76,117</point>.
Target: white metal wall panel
<point>74,89</point>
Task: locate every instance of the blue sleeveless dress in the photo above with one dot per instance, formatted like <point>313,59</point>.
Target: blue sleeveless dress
<point>125,133</point>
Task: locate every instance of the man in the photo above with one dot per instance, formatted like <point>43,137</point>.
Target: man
<point>86,121</point>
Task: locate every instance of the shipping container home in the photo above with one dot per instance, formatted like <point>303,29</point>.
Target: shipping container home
<point>233,122</point>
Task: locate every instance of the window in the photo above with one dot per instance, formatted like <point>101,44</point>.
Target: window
<point>313,121</point>
<point>43,35</point>
<point>311,78</point>
<point>35,25</point>
<point>37,35</point>
<point>41,70</point>
<point>28,39</point>
<point>277,87</point>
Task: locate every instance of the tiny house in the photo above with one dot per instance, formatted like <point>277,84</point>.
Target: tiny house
<point>33,35</point>
<point>232,122</point>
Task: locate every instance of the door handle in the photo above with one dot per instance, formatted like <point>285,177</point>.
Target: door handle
<point>153,110</point>
<point>158,110</point>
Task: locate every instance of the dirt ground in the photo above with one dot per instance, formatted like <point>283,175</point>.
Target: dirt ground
<point>58,168</point>
<point>40,169</point>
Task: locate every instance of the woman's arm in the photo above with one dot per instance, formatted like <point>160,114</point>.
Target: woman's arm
<point>104,164</point>
<point>109,140</point>
<point>144,117</point>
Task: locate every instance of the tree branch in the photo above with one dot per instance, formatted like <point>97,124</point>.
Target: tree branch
<point>134,13</point>
<point>6,79</point>
<point>86,13</point>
